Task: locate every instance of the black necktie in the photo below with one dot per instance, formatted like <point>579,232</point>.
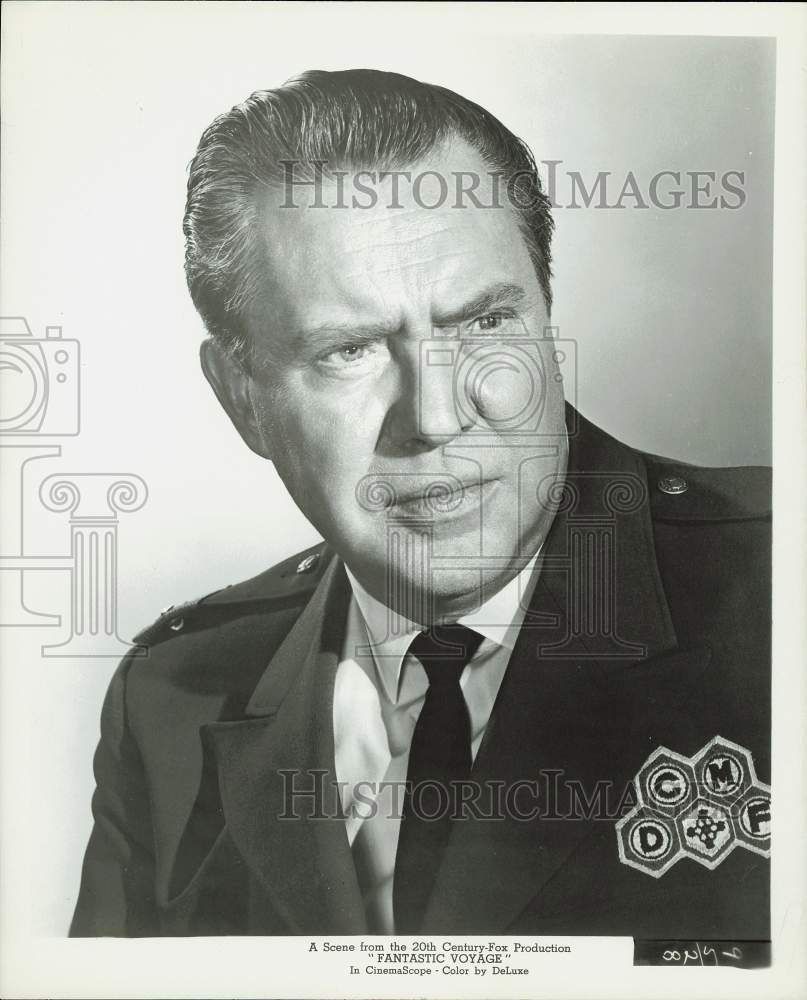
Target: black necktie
<point>439,758</point>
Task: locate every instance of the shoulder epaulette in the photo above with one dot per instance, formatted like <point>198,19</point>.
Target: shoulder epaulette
<point>681,492</point>
<point>288,583</point>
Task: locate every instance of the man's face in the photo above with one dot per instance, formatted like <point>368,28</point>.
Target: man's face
<point>403,386</point>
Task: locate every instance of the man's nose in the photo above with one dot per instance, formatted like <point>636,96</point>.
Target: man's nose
<point>428,412</point>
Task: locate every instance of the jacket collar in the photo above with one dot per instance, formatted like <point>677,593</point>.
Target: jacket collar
<point>599,567</point>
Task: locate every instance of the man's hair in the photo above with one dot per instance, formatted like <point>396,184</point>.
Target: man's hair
<point>355,119</point>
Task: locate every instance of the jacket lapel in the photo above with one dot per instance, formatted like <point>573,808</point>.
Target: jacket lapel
<point>594,684</point>
<point>269,764</point>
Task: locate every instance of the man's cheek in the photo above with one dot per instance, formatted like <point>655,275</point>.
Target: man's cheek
<point>328,461</point>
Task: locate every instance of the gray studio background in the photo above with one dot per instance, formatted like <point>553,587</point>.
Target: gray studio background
<point>103,105</point>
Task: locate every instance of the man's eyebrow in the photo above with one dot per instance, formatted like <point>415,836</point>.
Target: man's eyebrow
<point>327,332</point>
<point>503,293</point>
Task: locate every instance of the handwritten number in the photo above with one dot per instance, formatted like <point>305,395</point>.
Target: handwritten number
<point>701,952</point>
<point>709,950</point>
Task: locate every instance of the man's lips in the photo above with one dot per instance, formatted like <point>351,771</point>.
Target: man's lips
<point>439,487</point>
<point>442,496</point>
<point>428,494</point>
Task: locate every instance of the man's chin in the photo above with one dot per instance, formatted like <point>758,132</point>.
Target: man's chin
<point>425,575</point>
<point>447,595</point>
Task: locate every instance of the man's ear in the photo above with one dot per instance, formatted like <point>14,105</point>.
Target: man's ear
<point>232,384</point>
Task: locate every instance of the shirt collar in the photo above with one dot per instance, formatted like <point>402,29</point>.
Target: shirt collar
<point>390,634</point>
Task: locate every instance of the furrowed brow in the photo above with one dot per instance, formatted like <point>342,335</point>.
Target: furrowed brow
<point>327,333</point>
<point>496,297</point>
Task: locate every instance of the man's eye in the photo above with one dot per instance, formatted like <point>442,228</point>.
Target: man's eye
<point>490,322</point>
<point>349,354</point>
<point>353,359</point>
<point>353,352</point>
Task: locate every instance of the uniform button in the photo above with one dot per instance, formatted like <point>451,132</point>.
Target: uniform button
<point>307,564</point>
<point>673,484</point>
<point>177,624</point>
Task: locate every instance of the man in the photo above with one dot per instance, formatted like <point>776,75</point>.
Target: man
<point>523,687</point>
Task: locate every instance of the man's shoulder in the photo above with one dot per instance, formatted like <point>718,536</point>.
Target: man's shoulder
<point>711,538</point>
<point>680,493</point>
<point>712,541</point>
<point>676,491</point>
<point>201,660</point>
<point>278,592</point>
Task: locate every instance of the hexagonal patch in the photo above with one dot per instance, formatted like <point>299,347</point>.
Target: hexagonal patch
<point>701,808</point>
<point>666,782</point>
<point>647,841</point>
<point>706,833</point>
<point>752,820</point>
<point>723,770</point>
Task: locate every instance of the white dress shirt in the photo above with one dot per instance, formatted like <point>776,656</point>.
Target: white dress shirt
<point>378,695</point>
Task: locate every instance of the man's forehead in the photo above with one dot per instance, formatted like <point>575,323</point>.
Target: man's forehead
<point>419,200</point>
<point>411,240</point>
<point>321,289</point>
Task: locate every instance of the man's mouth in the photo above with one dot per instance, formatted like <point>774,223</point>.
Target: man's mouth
<point>443,498</point>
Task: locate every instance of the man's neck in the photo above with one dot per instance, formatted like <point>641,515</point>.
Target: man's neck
<point>496,603</point>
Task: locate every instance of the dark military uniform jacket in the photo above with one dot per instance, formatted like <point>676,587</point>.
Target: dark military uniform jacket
<point>648,632</point>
